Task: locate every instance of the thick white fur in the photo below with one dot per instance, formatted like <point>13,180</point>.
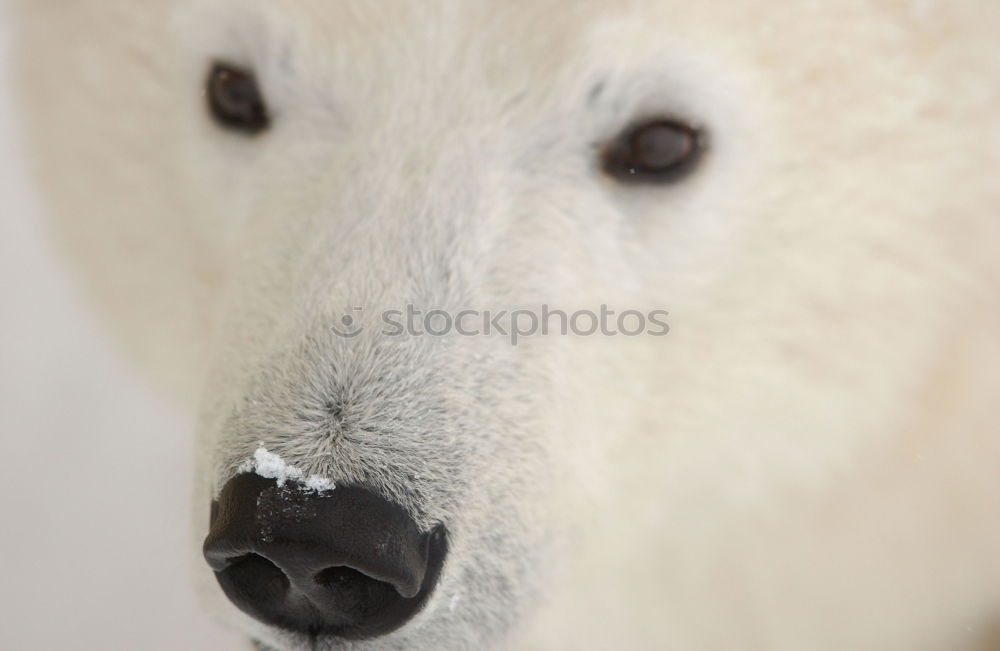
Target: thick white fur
<point>810,460</point>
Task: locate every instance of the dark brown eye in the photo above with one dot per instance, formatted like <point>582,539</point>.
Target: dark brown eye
<point>658,151</point>
<point>235,100</point>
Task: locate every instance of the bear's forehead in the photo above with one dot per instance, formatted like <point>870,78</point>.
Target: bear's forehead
<point>519,31</point>
<point>473,49</point>
<point>364,49</point>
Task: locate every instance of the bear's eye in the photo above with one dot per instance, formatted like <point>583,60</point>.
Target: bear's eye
<point>656,151</point>
<point>235,100</point>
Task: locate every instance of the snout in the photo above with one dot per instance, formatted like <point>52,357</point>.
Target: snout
<point>344,562</point>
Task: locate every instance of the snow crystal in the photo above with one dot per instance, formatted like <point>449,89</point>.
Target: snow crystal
<point>271,466</point>
<point>319,484</point>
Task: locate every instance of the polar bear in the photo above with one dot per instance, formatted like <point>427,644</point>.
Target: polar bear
<point>807,460</point>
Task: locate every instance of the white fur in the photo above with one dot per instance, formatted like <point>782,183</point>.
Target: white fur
<point>808,461</point>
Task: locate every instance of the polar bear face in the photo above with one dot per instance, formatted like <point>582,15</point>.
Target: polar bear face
<point>252,187</point>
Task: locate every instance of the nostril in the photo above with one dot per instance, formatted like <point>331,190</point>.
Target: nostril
<point>355,593</point>
<point>251,560</point>
<point>341,577</point>
<point>257,571</point>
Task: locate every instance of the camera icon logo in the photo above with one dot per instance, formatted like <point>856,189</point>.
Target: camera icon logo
<point>349,325</point>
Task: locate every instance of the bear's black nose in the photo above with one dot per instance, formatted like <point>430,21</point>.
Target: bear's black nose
<point>343,562</point>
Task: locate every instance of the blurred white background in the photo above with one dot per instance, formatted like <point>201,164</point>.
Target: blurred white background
<point>94,485</point>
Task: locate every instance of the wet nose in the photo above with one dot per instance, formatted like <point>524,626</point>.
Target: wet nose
<point>344,562</point>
